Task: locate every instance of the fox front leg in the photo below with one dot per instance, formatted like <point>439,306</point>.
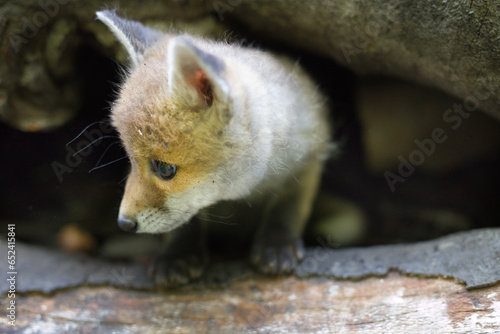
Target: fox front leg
<point>184,257</point>
<point>278,245</point>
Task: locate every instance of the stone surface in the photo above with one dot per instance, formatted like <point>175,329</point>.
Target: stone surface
<point>472,257</point>
<point>451,45</point>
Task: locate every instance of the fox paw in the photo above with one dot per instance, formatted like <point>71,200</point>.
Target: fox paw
<point>169,271</point>
<point>277,256</point>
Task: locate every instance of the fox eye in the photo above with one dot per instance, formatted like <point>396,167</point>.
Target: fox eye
<point>165,171</point>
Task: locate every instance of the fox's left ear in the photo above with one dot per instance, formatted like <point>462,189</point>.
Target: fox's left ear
<point>135,37</point>
<point>195,75</point>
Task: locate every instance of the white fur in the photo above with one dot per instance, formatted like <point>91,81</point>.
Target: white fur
<point>121,36</point>
<point>132,35</point>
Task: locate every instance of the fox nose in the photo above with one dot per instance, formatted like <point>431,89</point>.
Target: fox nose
<point>127,224</point>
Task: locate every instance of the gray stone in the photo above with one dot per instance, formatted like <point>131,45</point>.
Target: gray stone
<point>472,257</point>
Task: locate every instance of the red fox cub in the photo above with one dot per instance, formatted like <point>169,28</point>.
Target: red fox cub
<point>204,122</point>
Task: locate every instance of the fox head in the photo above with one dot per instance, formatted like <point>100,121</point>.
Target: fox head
<point>180,125</point>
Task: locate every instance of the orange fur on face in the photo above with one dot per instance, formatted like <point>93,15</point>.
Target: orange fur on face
<point>140,193</point>
<point>194,142</point>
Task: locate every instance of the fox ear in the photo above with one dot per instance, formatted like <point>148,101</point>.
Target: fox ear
<point>135,37</point>
<point>195,74</point>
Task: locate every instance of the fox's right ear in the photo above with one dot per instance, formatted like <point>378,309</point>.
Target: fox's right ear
<point>195,74</point>
<point>134,36</point>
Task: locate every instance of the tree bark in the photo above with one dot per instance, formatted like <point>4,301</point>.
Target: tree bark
<point>394,304</point>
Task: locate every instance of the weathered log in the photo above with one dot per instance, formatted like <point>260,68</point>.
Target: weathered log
<point>394,304</point>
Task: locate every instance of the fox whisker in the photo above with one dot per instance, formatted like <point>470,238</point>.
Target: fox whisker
<point>123,179</point>
<point>108,163</point>
<point>91,143</point>
<point>216,221</point>
<point>88,126</point>
<point>217,216</point>
<point>105,151</point>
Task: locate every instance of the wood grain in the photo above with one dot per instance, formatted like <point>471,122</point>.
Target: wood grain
<point>395,304</point>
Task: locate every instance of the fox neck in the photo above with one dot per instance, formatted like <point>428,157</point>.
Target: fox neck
<point>268,146</point>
